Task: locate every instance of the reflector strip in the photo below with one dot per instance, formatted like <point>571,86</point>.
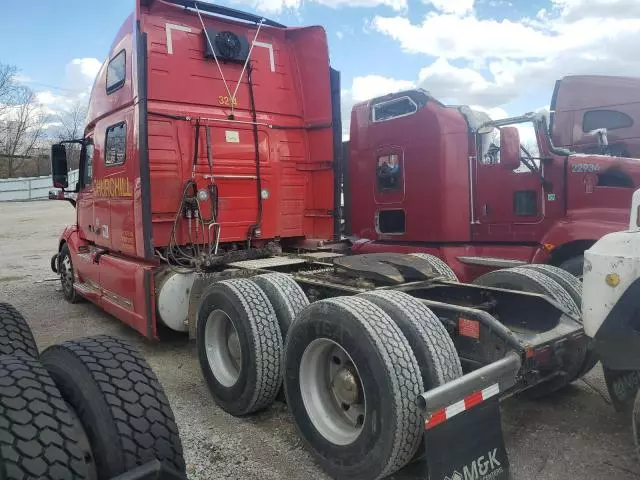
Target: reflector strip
<point>470,401</point>
<point>469,328</point>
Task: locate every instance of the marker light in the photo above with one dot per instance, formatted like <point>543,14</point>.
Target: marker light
<point>203,195</point>
<point>613,279</point>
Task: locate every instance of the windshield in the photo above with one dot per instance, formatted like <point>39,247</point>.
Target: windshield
<point>529,147</point>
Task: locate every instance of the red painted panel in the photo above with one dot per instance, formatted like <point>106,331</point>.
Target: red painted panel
<point>435,168</point>
<point>123,295</point>
<point>293,92</point>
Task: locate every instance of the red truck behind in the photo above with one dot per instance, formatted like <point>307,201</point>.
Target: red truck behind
<point>427,177</point>
<point>584,103</point>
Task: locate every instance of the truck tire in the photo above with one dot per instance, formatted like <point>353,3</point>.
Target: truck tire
<point>431,344</point>
<point>635,422</point>
<point>239,346</point>
<point>37,431</point>
<point>573,286</point>
<point>439,266</point>
<point>574,266</point>
<point>529,280</point>
<point>67,275</point>
<point>285,295</point>
<point>351,383</point>
<point>119,402</point>
<point>569,282</point>
<point>15,334</point>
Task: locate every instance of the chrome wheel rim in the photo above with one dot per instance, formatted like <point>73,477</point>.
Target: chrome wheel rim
<point>66,274</point>
<point>332,391</point>
<point>222,346</point>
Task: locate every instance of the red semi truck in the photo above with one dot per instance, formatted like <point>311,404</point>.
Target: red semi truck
<point>481,195</point>
<point>207,204</point>
<point>584,103</point>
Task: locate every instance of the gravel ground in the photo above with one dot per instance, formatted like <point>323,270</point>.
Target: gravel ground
<point>574,434</point>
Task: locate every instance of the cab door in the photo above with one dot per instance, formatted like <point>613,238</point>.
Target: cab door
<point>508,202</point>
<point>85,194</point>
<point>87,270</point>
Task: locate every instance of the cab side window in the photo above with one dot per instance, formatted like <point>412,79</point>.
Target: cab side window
<point>87,164</point>
<point>388,172</point>
<point>116,72</point>
<point>609,119</point>
<point>116,145</point>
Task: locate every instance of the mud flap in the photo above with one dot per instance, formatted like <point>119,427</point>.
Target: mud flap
<point>479,452</point>
<point>463,429</point>
<point>623,386</point>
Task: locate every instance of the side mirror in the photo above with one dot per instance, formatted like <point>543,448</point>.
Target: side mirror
<point>509,148</point>
<point>59,169</point>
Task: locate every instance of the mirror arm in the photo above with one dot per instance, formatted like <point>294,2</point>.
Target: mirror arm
<point>546,184</point>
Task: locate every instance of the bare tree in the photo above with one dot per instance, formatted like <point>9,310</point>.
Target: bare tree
<point>72,128</point>
<point>7,87</point>
<point>72,121</point>
<point>23,124</point>
<point>7,84</point>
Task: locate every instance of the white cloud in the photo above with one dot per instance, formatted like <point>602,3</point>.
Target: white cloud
<point>572,10</point>
<point>371,86</point>
<point>54,102</point>
<point>573,37</point>
<point>276,6</point>
<point>366,88</point>
<point>81,73</point>
<point>461,85</point>
<point>468,37</point>
<point>458,7</point>
<point>273,6</point>
<point>394,4</point>
<point>495,113</point>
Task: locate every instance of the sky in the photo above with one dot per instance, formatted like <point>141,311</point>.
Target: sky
<point>502,56</point>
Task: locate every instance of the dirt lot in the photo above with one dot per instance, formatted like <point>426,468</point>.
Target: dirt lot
<point>572,435</point>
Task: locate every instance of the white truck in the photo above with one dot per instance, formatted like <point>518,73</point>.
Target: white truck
<point>611,311</point>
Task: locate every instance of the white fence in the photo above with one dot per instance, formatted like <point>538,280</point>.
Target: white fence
<point>30,188</point>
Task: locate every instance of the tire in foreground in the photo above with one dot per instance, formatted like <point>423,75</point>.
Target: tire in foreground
<point>239,346</point>
<point>15,334</point>
<point>38,436</point>
<point>119,402</point>
<point>351,382</point>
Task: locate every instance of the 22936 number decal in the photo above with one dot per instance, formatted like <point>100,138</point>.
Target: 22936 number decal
<point>585,168</point>
<point>227,101</point>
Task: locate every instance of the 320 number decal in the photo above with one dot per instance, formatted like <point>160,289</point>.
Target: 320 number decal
<point>227,101</point>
